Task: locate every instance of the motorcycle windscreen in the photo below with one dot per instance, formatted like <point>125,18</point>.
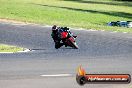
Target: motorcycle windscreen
<point>64,35</point>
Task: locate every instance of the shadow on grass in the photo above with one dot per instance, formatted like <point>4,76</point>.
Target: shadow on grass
<point>125,3</point>
<point>112,13</point>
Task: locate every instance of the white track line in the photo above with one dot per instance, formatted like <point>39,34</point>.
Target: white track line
<point>124,32</point>
<point>57,75</point>
<point>26,50</point>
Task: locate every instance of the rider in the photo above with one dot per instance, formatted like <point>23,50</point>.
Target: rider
<point>56,35</point>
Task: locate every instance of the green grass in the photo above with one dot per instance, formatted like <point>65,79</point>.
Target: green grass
<point>89,14</point>
<point>8,48</point>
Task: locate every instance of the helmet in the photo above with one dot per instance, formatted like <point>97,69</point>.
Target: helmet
<point>54,27</point>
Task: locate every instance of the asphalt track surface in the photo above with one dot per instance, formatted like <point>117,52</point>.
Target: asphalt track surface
<point>99,52</point>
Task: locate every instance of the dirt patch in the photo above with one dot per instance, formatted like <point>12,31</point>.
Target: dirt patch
<point>13,21</point>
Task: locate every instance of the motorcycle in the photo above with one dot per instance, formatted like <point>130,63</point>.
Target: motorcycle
<point>69,40</point>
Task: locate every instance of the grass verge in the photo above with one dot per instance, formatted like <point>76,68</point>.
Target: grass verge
<point>89,14</point>
<point>8,48</point>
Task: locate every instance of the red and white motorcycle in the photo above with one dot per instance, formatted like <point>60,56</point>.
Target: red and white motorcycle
<point>69,40</point>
